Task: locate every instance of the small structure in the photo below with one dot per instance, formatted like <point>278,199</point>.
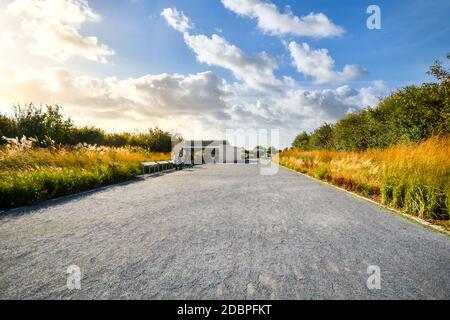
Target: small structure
<point>208,151</point>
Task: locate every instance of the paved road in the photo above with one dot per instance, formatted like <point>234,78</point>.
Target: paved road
<point>222,231</point>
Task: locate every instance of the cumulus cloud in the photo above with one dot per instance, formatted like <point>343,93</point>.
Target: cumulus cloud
<point>182,102</point>
<point>299,109</point>
<point>51,29</point>
<point>329,104</point>
<point>320,65</point>
<point>307,109</point>
<point>147,97</point>
<point>271,21</point>
<point>256,72</point>
<point>176,19</point>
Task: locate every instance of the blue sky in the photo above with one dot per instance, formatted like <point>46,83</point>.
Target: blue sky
<point>123,65</point>
<point>413,34</point>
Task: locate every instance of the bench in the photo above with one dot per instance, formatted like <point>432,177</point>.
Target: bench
<point>165,165</point>
<point>156,166</point>
<point>152,166</point>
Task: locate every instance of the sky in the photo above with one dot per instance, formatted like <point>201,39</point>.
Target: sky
<point>201,68</point>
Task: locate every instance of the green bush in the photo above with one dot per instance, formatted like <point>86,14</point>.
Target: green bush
<point>321,172</point>
<point>51,128</point>
<point>411,114</point>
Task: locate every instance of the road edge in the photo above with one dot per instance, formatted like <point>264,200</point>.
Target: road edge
<point>403,215</point>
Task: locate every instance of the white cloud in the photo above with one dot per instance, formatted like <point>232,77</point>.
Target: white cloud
<point>303,108</point>
<point>289,81</point>
<point>256,72</point>
<point>176,19</point>
<point>271,21</point>
<point>329,104</point>
<point>299,109</point>
<point>181,102</point>
<point>51,29</point>
<point>370,96</point>
<point>150,97</point>
<point>8,40</point>
<point>320,65</point>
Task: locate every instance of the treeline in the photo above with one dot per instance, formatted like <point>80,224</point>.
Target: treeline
<point>51,128</point>
<point>411,114</point>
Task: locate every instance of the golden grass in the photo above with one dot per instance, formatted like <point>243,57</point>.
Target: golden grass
<point>414,178</point>
<point>33,159</point>
<point>31,175</point>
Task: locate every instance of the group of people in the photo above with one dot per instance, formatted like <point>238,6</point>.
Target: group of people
<point>182,162</point>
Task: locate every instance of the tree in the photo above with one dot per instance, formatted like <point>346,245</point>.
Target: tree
<point>42,123</point>
<point>157,140</point>
<point>302,141</point>
<point>351,133</point>
<point>416,112</point>
<point>29,120</point>
<point>323,137</point>
<point>360,131</point>
<point>89,135</point>
<point>7,128</point>
<point>438,71</point>
<point>56,126</point>
<point>442,93</point>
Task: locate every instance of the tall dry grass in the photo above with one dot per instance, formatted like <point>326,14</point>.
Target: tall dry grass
<point>414,178</point>
<point>30,175</point>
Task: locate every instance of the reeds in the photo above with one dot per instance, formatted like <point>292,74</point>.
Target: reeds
<point>31,175</point>
<point>414,178</point>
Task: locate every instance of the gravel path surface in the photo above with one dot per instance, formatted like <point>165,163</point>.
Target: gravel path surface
<point>219,231</point>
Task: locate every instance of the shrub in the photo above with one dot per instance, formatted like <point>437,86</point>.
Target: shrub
<point>321,172</point>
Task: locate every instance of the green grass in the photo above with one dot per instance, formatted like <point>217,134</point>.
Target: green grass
<point>30,176</point>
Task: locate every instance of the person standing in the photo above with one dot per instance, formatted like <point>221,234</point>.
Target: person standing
<point>187,160</point>
<point>177,161</point>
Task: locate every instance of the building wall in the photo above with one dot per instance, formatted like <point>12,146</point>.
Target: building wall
<point>224,153</point>
<point>231,155</point>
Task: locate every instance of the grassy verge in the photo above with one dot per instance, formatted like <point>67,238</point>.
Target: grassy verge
<point>413,178</point>
<point>31,175</point>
